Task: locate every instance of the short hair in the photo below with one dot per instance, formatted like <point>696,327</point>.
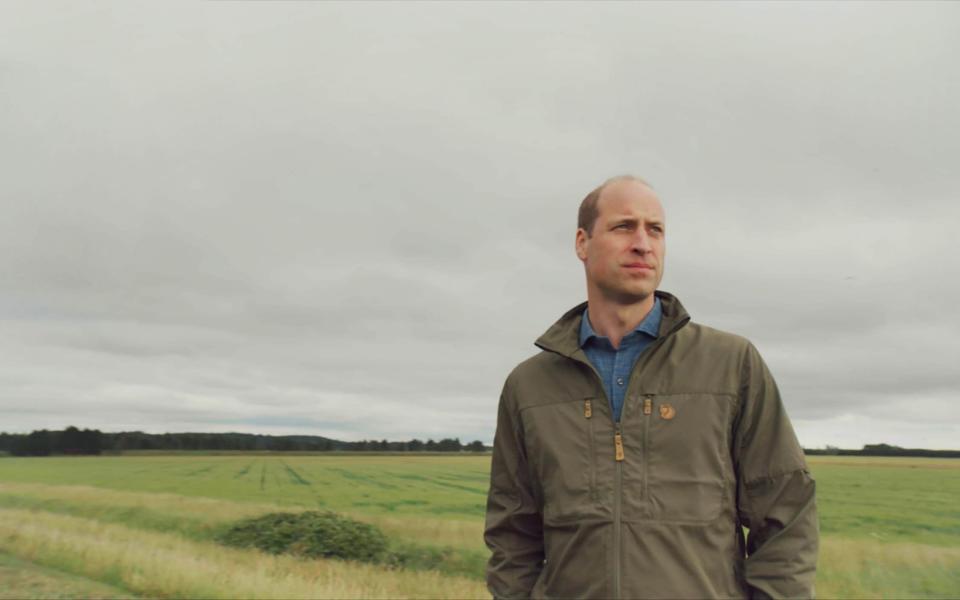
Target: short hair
<point>589,212</point>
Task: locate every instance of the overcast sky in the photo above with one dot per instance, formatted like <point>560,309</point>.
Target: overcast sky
<point>354,220</point>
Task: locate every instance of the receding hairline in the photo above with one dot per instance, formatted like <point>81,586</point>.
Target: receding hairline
<point>588,213</point>
<point>620,178</point>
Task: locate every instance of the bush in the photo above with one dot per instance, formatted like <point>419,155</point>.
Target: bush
<point>451,561</point>
<point>328,535</point>
<point>312,534</point>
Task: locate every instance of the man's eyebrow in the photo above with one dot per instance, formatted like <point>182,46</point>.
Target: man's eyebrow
<point>634,221</point>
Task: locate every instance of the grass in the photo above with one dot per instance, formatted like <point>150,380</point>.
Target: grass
<point>857,568</point>
<point>891,526</point>
<point>447,546</point>
<point>889,499</point>
<point>435,486</point>
<point>200,518</point>
<point>21,579</point>
<point>169,565</point>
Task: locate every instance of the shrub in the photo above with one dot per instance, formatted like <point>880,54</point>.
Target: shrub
<point>312,534</point>
<point>451,561</point>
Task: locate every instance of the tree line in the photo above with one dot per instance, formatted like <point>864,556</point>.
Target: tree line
<point>885,450</point>
<point>72,440</point>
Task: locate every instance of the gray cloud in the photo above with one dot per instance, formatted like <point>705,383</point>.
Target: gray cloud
<point>353,220</point>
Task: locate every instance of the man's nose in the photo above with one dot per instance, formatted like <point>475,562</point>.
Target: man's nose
<point>641,242</point>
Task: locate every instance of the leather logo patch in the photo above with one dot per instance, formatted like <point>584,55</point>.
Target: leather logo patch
<point>667,412</point>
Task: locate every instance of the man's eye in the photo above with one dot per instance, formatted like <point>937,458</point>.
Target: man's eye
<point>623,225</point>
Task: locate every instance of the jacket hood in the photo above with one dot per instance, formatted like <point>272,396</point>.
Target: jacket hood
<point>563,337</point>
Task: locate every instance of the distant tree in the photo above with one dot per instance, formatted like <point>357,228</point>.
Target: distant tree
<point>449,445</point>
<point>881,450</point>
<point>37,443</point>
<point>19,445</point>
<point>9,440</point>
<point>283,444</point>
<point>70,441</point>
<point>91,441</point>
<point>169,441</point>
<point>136,440</point>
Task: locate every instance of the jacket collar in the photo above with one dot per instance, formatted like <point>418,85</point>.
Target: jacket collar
<point>563,337</point>
<point>650,325</point>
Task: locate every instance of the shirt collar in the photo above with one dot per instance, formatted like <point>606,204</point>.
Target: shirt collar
<point>650,324</point>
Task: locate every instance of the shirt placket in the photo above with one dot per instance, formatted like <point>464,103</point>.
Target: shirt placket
<point>621,371</point>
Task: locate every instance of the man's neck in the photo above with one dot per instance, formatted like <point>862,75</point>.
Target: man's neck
<point>613,320</point>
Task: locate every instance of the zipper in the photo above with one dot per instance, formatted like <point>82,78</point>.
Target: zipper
<point>617,483</point>
<point>618,439</point>
<point>644,467</point>
<point>588,414</point>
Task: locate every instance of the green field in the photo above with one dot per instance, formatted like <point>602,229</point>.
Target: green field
<point>143,525</point>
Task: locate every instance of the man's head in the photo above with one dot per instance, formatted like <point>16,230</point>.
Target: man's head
<point>621,240</point>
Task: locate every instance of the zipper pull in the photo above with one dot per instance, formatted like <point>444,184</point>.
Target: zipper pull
<point>647,405</point>
<point>618,446</point>
<point>587,408</point>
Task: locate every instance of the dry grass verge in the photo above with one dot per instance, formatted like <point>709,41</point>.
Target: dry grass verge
<point>159,564</point>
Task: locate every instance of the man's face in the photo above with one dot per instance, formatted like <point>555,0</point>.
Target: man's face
<point>624,254</point>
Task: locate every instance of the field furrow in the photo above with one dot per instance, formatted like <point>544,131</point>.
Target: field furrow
<point>890,528</point>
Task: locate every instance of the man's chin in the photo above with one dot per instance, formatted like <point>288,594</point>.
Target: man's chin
<point>630,295</point>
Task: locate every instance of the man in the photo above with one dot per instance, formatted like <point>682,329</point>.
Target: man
<point>633,449</point>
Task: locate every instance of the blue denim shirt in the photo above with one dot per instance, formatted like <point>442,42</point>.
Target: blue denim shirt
<point>615,365</point>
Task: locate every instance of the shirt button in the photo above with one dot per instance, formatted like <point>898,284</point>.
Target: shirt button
<point>619,380</point>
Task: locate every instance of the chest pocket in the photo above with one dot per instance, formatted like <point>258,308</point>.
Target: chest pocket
<point>688,472</point>
<point>560,449</point>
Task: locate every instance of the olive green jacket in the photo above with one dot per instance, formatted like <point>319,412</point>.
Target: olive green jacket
<point>653,506</point>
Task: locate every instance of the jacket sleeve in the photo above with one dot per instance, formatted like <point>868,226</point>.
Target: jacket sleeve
<point>775,491</point>
<point>514,526</point>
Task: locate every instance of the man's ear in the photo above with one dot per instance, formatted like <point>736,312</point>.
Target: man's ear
<point>580,243</point>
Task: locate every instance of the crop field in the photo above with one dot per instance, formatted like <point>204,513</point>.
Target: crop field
<point>144,525</point>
